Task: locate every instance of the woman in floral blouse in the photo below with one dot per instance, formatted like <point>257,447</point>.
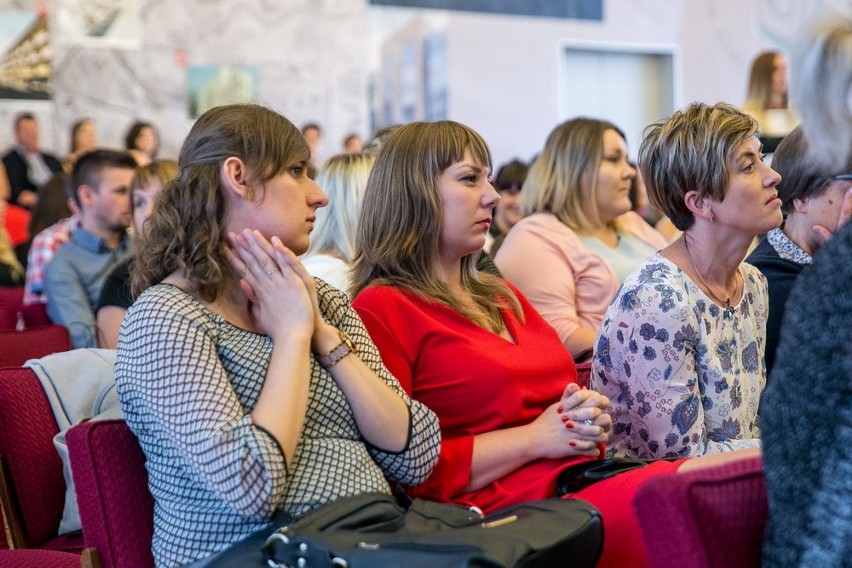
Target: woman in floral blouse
<point>680,350</point>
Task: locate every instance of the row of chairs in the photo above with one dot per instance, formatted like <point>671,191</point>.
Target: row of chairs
<point>14,314</point>
<point>707,519</point>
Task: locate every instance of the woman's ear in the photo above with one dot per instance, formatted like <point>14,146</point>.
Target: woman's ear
<point>699,205</point>
<point>800,205</point>
<point>235,178</point>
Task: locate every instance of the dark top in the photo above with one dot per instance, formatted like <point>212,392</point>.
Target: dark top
<point>781,274</point>
<point>806,415</point>
<point>17,171</point>
<point>116,289</point>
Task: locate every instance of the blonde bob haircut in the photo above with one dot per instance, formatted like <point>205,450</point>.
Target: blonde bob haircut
<point>401,217</point>
<point>187,228</point>
<point>564,177</point>
<point>344,180</point>
<point>691,151</point>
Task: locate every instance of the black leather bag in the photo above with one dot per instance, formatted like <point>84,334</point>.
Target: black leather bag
<point>373,530</point>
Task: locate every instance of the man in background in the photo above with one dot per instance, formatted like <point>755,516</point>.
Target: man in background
<point>27,167</point>
<point>73,280</point>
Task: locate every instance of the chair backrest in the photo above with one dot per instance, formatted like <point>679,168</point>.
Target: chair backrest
<point>11,300</point>
<point>116,507</point>
<point>32,468</point>
<point>35,315</point>
<point>16,347</point>
<point>708,518</point>
<point>584,374</point>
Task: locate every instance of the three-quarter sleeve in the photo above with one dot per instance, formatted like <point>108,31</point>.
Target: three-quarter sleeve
<point>415,462</point>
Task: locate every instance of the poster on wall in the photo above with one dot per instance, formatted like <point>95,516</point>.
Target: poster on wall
<point>25,57</point>
<point>105,22</point>
<point>215,85</point>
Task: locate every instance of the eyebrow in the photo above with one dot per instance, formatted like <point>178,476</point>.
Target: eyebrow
<point>474,167</point>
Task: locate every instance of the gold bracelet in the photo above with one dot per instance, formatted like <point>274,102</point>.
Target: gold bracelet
<point>334,356</point>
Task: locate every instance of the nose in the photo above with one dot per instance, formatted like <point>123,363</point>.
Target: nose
<point>490,197</point>
<point>629,172</point>
<point>774,178</point>
<point>317,196</point>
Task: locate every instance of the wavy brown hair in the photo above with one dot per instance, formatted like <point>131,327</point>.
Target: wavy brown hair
<point>187,228</point>
<point>400,223</point>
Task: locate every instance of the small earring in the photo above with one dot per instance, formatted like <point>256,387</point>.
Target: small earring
<point>712,217</point>
<point>250,194</point>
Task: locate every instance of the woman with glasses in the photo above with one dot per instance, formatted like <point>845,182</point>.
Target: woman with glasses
<point>817,202</point>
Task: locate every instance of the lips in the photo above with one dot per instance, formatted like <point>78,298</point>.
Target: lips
<point>773,198</point>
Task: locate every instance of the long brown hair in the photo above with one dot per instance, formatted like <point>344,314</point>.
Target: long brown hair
<point>400,223</point>
<point>186,230</point>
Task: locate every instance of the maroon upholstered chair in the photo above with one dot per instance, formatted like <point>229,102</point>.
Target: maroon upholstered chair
<point>35,315</point>
<point>709,518</point>
<point>584,374</point>
<point>32,487</point>
<point>116,508</point>
<point>11,300</point>
<point>38,558</point>
<point>16,347</point>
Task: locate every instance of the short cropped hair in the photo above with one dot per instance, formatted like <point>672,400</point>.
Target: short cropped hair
<point>690,151</point>
<point>89,167</point>
<point>801,177</point>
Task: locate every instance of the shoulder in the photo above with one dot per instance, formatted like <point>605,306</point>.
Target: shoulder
<point>162,305</point>
<point>536,229</point>
<point>381,296</point>
<point>634,224</point>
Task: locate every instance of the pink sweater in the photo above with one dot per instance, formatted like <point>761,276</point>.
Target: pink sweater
<point>568,284</point>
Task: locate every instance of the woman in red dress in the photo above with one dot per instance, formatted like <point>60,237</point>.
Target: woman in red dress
<point>469,345</point>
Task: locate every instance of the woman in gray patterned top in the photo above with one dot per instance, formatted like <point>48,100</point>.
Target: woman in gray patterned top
<point>250,387</point>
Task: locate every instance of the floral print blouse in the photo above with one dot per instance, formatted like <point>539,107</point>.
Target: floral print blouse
<point>684,376</point>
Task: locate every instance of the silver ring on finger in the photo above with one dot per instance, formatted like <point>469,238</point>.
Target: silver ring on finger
<point>270,272</point>
<point>589,422</point>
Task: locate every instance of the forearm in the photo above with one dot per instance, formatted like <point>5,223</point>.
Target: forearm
<point>580,343</point>
<point>382,415</point>
<point>108,323</point>
<point>281,406</point>
<point>498,453</point>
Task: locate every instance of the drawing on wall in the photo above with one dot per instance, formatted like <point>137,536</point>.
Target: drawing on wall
<point>101,21</point>
<point>215,85</point>
<point>25,58</point>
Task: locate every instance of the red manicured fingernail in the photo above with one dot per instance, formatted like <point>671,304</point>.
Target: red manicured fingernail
<point>559,409</point>
<point>569,424</point>
<point>572,443</point>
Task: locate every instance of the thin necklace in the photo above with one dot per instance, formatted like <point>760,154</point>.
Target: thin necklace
<point>706,286</point>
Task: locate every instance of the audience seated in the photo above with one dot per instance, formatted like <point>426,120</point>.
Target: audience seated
<point>469,345</point>
<point>27,167</point>
<point>817,203</point>
<point>581,238</point>
<point>142,142</point>
<point>115,295</point>
<point>807,408</point>
<point>313,137</point>
<point>74,277</point>
<point>332,249</point>
<point>508,182</point>
<point>680,350</point>
<point>250,388</point>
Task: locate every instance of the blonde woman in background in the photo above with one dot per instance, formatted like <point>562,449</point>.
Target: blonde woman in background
<point>767,99</point>
<point>344,179</point>
<point>580,238</point>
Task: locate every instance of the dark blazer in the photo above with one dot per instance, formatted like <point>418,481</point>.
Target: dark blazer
<point>17,170</point>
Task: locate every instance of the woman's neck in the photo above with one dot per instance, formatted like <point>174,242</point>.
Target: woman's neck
<point>799,229</point>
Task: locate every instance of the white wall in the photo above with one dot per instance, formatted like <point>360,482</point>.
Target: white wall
<point>504,71</point>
